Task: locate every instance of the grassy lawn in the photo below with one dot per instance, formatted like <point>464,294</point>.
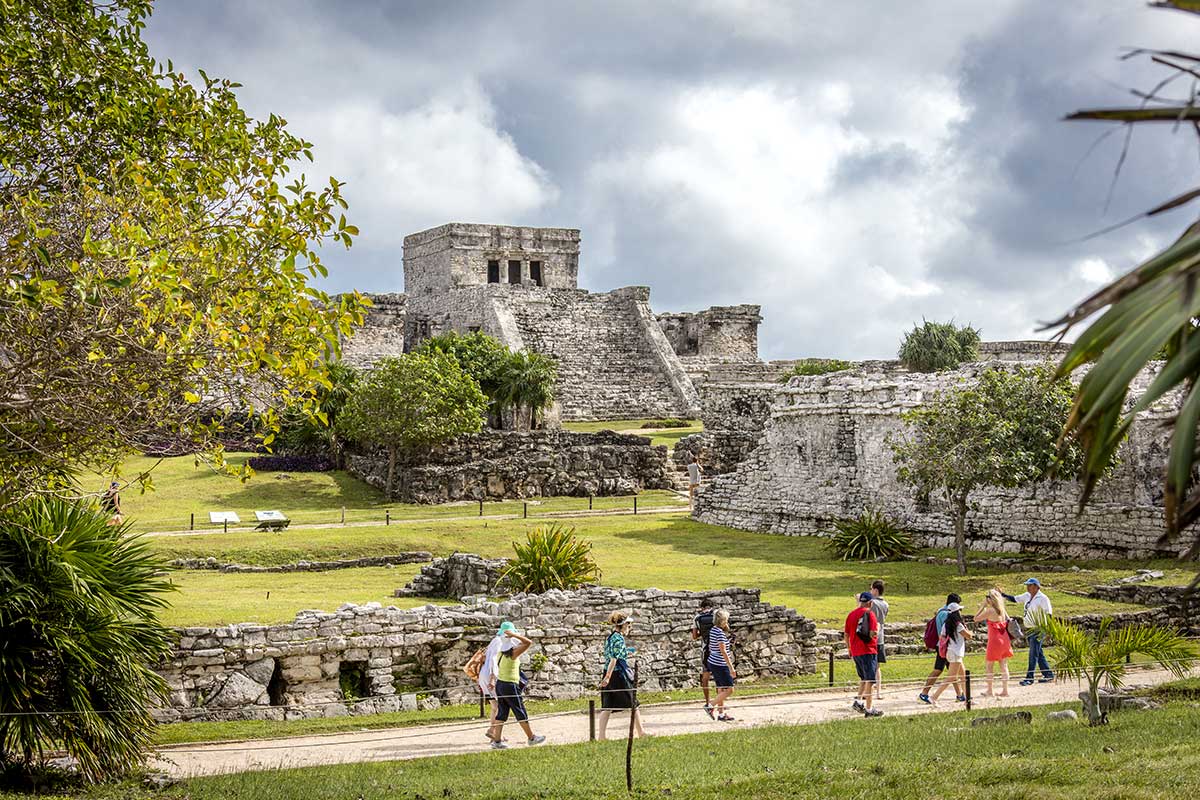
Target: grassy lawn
<point>666,551</point>
<point>214,598</point>
<point>1140,754</point>
<point>182,488</point>
<point>667,436</point>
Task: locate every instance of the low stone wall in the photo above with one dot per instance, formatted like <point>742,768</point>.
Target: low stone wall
<point>496,465</point>
<point>457,576</point>
<point>734,415</point>
<point>1180,607</point>
<point>390,655</point>
<point>305,566</point>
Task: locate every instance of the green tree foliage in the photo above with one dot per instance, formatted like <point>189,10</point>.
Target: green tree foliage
<point>814,366</point>
<point>1099,657</point>
<point>79,600</point>
<point>483,357</point>
<point>1146,315</point>
<point>1000,431</point>
<point>303,431</point>
<point>870,535</point>
<point>527,386</point>
<point>552,557</point>
<point>935,346</point>
<point>156,250</point>
<point>412,401</point>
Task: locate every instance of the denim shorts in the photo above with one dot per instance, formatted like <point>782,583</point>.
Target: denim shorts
<point>721,675</point>
<point>866,666</point>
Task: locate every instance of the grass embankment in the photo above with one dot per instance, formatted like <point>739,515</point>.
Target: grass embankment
<point>183,488</point>
<point>1140,754</point>
<point>664,551</point>
<point>658,435</point>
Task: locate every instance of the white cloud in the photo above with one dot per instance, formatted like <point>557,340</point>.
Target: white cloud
<point>1094,270</point>
<point>444,160</point>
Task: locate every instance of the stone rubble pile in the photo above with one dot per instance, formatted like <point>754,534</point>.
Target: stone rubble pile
<point>457,576</point>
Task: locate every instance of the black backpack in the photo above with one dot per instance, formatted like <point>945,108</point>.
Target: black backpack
<point>704,623</point>
<point>863,629</point>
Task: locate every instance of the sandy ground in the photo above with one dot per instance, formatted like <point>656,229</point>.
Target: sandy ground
<point>569,727</point>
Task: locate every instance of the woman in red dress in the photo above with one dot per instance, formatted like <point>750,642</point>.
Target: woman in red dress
<point>999,643</point>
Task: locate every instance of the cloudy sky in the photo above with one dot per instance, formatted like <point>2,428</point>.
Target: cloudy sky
<point>853,167</point>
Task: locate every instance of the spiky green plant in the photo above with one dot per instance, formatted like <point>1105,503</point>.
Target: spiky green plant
<point>935,346</point>
<point>552,557</point>
<point>1099,656</point>
<point>814,366</point>
<point>79,633</point>
<point>870,535</point>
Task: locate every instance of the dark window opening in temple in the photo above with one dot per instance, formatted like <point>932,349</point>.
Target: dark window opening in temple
<point>514,272</point>
<point>535,272</point>
<point>493,272</point>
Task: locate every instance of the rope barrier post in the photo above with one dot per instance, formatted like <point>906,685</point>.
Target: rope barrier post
<point>968,690</point>
<point>629,741</point>
<point>343,515</point>
<point>591,720</point>
<point>831,665</point>
<point>192,524</point>
<point>1129,658</point>
<point>481,714</point>
<point>481,508</point>
<point>589,502</point>
<point>635,504</point>
<point>524,510</point>
<point>387,517</point>
<point>226,524</point>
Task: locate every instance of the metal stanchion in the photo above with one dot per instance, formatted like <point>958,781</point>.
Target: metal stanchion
<point>968,695</point>
<point>831,665</point>
<point>591,720</point>
<point>226,524</point>
<point>343,515</point>
<point>481,703</point>
<point>635,504</point>
<point>589,502</point>
<point>192,524</point>
<point>524,510</point>
<point>387,517</point>
<point>481,508</point>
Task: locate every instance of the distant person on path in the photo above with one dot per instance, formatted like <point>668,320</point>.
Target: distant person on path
<point>862,637</point>
<point>694,473</point>
<point>880,608</point>
<point>939,663</point>
<point>700,628</point>
<point>487,672</point>
<point>506,685</point>
<point>1037,608</point>
<point>720,661</point>
<point>616,687</point>
<point>999,643</point>
<point>110,503</point>
<point>954,647</point>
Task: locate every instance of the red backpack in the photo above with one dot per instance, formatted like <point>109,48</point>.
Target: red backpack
<point>931,634</point>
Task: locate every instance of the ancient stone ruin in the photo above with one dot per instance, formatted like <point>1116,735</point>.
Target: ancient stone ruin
<point>823,454</point>
<point>369,659</point>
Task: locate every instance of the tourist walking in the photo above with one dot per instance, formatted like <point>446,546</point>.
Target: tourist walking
<point>1037,608</point>
<point>862,637</point>
<point>617,688</point>
<point>506,686</point>
<point>953,646</point>
<point>694,472</point>
<point>999,642</point>
<point>720,661</point>
<point>880,608</point>
<point>487,671</point>
<point>110,503</point>
<point>939,662</point>
<point>701,625</point>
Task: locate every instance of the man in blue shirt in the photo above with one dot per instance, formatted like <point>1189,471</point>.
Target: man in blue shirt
<point>940,663</point>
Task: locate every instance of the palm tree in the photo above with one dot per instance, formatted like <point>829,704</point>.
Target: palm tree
<point>1099,656</point>
<point>527,382</point>
<point>79,633</point>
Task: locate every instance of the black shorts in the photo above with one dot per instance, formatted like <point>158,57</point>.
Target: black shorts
<point>722,677</point>
<point>941,663</point>
<point>508,698</point>
<point>882,653</point>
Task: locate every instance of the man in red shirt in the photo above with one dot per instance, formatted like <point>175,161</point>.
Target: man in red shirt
<point>862,636</point>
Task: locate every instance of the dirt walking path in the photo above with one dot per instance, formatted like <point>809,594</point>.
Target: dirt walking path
<point>395,744</point>
<point>617,512</point>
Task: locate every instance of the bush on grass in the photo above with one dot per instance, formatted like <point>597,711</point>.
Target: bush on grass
<point>871,535</point>
<point>552,557</point>
<point>673,422</point>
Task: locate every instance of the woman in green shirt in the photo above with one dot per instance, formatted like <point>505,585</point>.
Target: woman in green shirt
<point>506,686</point>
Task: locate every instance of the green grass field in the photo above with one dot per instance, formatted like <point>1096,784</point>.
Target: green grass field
<point>1138,755</point>
<point>184,488</point>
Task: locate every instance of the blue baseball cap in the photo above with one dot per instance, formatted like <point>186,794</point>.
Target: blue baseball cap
<point>1033,582</point>
<point>866,597</point>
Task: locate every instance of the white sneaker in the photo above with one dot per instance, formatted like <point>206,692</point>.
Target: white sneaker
<point>499,746</point>
<point>536,740</point>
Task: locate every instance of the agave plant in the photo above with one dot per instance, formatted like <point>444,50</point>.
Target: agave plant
<point>552,557</point>
<point>870,535</point>
<point>935,346</point>
<point>79,633</point>
<point>1099,657</point>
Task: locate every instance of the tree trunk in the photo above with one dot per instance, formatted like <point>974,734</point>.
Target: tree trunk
<point>960,530</point>
<point>1091,705</point>
<point>391,471</point>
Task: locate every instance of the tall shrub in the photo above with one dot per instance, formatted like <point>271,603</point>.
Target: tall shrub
<point>935,346</point>
<point>551,557</point>
<point>79,633</point>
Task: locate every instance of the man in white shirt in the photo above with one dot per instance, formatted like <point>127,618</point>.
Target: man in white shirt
<point>1037,608</point>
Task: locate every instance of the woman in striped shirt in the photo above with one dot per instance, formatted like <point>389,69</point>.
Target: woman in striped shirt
<point>720,661</point>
